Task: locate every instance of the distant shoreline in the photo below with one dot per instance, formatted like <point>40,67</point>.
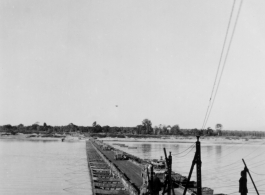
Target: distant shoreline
<point>40,137</point>
<point>168,139</point>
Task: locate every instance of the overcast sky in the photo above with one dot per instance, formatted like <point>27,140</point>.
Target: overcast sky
<point>119,62</point>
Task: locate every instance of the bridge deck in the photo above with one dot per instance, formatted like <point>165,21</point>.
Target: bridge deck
<point>132,171</point>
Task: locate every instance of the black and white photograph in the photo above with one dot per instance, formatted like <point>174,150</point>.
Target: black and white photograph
<point>130,97</point>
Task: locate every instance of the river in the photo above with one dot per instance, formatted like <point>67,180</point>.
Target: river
<point>221,162</point>
<point>54,167</point>
<point>43,167</point>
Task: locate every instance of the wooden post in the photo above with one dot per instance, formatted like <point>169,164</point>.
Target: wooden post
<point>169,173</point>
<point>152,179</point>
<point>191,169</point>
<point>198,165</point>
<point>148,180</point>
<point>168,180</point>
<point>171,184</point>
<point>250,177</point>
<point>197,161</point>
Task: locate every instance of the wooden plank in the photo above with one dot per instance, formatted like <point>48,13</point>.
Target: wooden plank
<point>109,185</point>
<point>107,179</point>
<point>101,174</point>
<point>108,192</point>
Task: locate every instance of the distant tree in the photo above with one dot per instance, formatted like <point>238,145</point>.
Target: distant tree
<point>34,126</point>
<point>97,129</point>
<point>203,132</point>
<point>50,129</point>
<point>54,129</point>
<point>115,130</point>
<point>195,131</point>
<point>209,131</point>
<point>73,127</point>
<point>169,129</point>
<point>20,126</point>
<point>156,130</point>
<point>147,122</point>
<point>209,128</point>
<point>44,127</point>
<point>11,129</point>
<point>219,128</point>
<point>127,130</point>
<point>94,124</point>
<point>148,126</point>
<point>7,127</point>
<point>41,128</point>
<point>141,129</point>
<point>175,130</point>
<point>105,129</point>
<point>163,129</point>
<point>85,129</point>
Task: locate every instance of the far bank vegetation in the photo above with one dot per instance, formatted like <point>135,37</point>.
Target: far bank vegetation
<point>145,129</point>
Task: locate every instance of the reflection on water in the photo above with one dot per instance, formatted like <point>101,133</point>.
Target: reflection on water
<point>146,150</point>
<point>43,167</point>
<point>221,163</point>
<point>218,150</point>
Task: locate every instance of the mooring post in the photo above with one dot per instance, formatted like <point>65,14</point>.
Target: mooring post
<point>168,180</point>
<point>169,173</point>
<point>165,152</point>
<point>250,177</point>
<point>198,162</point>
<point>152,179</point>
<point>190,173</point>
<point>165,182</point>
<point>148,179</point>
<point>198,165</point>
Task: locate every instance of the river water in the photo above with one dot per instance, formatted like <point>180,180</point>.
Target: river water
<point>43,167</point>
<point>221,162</point>
<point>53,167</point>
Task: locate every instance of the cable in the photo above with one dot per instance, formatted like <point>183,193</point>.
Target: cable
<point>228,49</point>
<point>186,154</point>
<point>261,185</point>
<point>227,30</point>
<point>233,185</point>
<point>232,193</point>
<point>256,173</point>
<point>183,150</point>
<point>257,165</point>
<point>225,155</point>
<point>233,165</point>
<point>221,169</point>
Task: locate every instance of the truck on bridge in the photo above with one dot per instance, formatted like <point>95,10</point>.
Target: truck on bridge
<point>119,155</point>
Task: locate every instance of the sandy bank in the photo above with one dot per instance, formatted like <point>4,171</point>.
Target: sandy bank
<point>21,136</point>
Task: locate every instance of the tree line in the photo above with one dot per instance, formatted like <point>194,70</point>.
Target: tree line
<point>145,128</point>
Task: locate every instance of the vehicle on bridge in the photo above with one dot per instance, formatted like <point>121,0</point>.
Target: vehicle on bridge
<point>119,155</point>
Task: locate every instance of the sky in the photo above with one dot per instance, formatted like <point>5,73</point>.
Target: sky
<point>119,62</point>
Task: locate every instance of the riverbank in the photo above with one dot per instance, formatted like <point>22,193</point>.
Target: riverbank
<point>43,137</point>
<point>166,139</point>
